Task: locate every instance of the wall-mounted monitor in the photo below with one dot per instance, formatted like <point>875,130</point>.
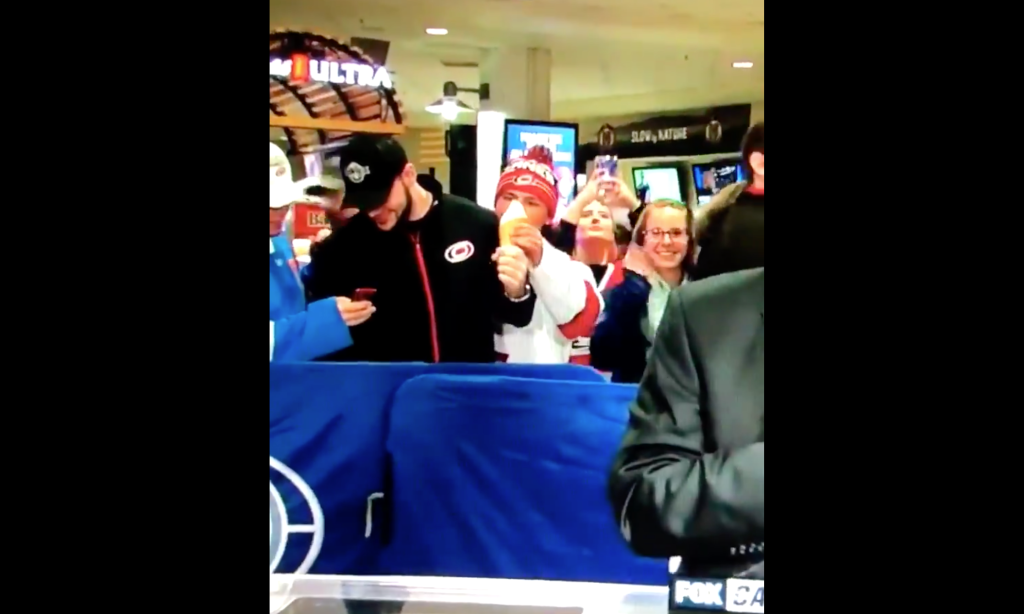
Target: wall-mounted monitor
<point>561,138</point>
<point>657,182</point>
<point>709,178</point>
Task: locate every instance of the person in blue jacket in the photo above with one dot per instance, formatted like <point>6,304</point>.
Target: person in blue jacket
<point>661,254</point>
<point>298,332</point>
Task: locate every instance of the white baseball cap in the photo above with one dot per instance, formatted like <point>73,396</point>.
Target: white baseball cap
<point>284,191</point>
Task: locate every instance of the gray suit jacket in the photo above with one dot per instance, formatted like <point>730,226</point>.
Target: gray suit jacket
<point>689,477</point>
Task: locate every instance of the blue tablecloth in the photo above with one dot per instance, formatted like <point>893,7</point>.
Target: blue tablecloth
<point>329,424</point>
<point>503,477</point>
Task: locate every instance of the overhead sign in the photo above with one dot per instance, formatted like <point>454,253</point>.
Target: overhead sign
<point>712,132</point>
<point>302,69</point>
<point>708,127</point>
<point>704,132</point>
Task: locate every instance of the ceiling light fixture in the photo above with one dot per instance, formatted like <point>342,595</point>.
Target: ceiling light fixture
<point>437,31</point>
<point>742,64</point>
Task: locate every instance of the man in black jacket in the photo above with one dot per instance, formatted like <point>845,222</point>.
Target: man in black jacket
<point>429,262</point>
<point>689,477</point>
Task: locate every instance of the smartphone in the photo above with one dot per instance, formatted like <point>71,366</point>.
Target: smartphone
<point>607,166</point>
<point>364,294</point>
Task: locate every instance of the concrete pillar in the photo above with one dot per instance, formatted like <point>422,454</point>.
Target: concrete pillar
<point>520,82</point>
<point>520,88</point>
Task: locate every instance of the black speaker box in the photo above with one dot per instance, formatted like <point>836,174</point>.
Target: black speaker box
<point>460,145</point>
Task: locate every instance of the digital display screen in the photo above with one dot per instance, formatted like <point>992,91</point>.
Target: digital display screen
<point>710,178</point>
<point>658,183</point>
<point>561,139</point>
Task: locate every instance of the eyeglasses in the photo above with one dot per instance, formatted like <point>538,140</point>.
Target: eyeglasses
<point>673,233</point>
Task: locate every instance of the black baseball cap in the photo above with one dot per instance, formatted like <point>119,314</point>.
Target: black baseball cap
<point>369,165</point>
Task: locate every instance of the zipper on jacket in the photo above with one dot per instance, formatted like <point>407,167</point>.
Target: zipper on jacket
<point>422,265</point>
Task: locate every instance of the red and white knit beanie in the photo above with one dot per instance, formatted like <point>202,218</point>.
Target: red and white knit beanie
<point>532,174</point>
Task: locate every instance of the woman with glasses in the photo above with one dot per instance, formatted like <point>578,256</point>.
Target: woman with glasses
<point>658,260</point>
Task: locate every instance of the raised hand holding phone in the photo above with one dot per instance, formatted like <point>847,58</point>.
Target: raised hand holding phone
<point>606,169</point>
<point>607,166</point>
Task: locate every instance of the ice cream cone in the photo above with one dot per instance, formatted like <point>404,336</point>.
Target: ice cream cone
<point>514,215</point>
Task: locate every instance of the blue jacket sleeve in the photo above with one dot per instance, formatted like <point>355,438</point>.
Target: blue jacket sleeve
<point>309,334</point>
<point>618,343</point>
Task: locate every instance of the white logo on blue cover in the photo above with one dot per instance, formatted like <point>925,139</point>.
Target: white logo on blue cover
<point>280,528</point>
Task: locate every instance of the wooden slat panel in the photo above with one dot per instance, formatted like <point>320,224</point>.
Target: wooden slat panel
<point>335,125</point>
<point>432,147</point>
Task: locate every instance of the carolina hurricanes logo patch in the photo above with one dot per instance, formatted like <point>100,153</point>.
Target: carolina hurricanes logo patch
<point>459,252</point>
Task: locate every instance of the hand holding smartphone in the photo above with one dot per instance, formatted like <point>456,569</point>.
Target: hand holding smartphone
<point>606,166</point>
<point>356,310</point>
<point>607,169</point>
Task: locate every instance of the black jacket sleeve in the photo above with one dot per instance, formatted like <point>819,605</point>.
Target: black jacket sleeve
<point>563,237</point>
<point>326,276</point>
<point>670,495</point>
<point>517,313</point>
<point>634,215</point>
<point>618,343</point>
<point>712,257</point>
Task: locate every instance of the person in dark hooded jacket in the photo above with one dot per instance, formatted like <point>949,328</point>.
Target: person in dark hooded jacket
<point>730,228</point>
<point>430,264</point>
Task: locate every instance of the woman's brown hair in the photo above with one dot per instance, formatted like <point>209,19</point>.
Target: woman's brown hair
<point>691,244</point>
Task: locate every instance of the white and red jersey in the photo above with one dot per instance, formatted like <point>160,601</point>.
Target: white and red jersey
<point>613,276</point>
<point>568,305</point>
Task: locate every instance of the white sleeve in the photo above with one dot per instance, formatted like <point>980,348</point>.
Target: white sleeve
<point>561,283</point>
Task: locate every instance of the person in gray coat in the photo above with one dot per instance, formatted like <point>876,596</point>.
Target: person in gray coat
<point>688,479</point>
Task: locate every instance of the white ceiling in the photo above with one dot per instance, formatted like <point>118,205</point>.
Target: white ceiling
<point>610,57</point>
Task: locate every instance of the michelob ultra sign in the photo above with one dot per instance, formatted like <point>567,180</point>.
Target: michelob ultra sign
<point>302,69</point>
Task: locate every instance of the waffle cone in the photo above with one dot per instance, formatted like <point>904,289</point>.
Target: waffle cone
<point>514,216</point>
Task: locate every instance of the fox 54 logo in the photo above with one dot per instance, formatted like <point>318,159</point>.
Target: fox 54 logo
<point>745,596</point>
<point>703,594</point>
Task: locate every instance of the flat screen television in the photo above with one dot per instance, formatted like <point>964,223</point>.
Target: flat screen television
<point>709,178</point>
<point>656,182</point>
<point>561,138</point>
